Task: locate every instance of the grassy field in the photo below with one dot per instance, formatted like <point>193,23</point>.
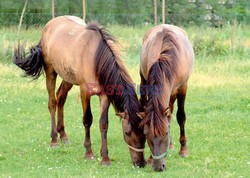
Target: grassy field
<point>217,106</point>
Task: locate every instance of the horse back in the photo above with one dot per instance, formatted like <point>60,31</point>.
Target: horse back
<point>152,49</point>
<point>69,48</point>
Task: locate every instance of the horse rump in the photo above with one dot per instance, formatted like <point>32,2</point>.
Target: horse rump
<point>32,63</point>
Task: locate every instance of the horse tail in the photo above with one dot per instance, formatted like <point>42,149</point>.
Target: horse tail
<point>32,63</point>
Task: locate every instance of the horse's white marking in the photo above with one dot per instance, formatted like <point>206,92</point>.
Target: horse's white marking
<point>72,32</point>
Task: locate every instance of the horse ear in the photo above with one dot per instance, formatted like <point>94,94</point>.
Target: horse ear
<point>167,112</point>
<point>121,115</point>
<point>141,114</point>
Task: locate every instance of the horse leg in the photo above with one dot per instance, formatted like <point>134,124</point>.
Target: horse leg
<point>61,94</point>
<point>104,106</point>
<point>143,98</point>
<point>181,118</point>
<point>143,101</point>
<point>87,122</point>
<point>51,84</point>
<point>171,106</point>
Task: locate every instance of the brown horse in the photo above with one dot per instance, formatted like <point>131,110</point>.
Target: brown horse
<point>87,56</point>
<point>166,63</point>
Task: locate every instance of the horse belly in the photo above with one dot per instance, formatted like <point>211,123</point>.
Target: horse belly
<point>66,71</point>
<point>69,75</point>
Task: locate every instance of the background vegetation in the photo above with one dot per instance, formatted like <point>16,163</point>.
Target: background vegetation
<point>218,104</point>
<point>131,12</point>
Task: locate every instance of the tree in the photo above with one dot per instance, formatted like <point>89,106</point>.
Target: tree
<point>155,12</point>
<point>21,18</point>
<point>84,9</point>
<point>163,11</point>
<point>53,8</point>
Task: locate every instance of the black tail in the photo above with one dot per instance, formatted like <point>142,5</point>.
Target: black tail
<point>31,63</point>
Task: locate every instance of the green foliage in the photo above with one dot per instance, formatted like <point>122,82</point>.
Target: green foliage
<point>130,12</point>
<point>230,41</point>
<point>195,12</point>
<point>210,45</point>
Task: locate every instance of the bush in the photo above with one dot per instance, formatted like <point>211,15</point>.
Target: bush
<point>210,45</point>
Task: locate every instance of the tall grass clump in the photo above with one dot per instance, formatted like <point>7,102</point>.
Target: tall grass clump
<point>232,41</point>
<point>9,40</point>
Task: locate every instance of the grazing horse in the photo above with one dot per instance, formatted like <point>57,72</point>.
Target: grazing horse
<point>166,63</point>
<point>87,56</point>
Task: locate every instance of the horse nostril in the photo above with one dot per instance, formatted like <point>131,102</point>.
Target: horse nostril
<point>163,167</point>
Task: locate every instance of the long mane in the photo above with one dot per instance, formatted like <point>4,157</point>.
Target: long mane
<point>111,71</point>
<point>161,72</point>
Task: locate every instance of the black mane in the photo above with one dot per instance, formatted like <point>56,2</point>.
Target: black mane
<point>161,72</point>
<point>111,71</point>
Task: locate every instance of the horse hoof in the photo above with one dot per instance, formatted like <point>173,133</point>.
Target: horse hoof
<point>89,156</point>
<point>171,147</point>
<point>54,144</point>
<point>106,162</point>
<point>184,153</point>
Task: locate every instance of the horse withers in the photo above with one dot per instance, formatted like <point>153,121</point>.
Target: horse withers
<point>166,63</point>
<point>87,56</point>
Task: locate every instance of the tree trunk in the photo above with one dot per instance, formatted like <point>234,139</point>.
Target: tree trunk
<point>155,12</point>
<point>163,11</point>
<point>84,9</point>
<point>53,9</point>
<point>21,18</point>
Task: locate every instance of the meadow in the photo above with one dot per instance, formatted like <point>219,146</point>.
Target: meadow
<point>217,107</point>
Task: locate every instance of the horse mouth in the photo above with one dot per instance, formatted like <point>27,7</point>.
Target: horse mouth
<point>160,168</point>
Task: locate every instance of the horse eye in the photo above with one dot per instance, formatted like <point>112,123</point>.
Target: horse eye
<point>167,133</point>
<point>127,134</point>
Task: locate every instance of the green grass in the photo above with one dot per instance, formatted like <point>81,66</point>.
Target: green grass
<point>217,106</point>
